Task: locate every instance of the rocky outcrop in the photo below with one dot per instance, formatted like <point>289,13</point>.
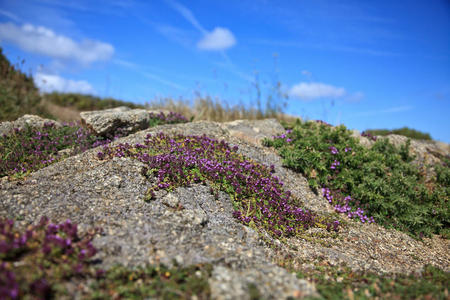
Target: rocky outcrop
<point>107,122</point>
<point>33,121</point>
<point>425,152</point>
<point>189,225</point>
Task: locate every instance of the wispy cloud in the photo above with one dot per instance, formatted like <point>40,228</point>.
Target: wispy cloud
<point>10,15</point>
<point>396,109</point>
<point>135,67</point>
<point>326,47</point>
<point>307,73</point>
<point>188,15</point>
<point>177,35</point>
<point>44,41</point>
<point>162,80</point>
<point>390,110</point>
<point>50,83</point>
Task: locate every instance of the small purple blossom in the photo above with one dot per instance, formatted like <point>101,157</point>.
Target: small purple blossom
<point>335,164</point>
<point>333,150</point>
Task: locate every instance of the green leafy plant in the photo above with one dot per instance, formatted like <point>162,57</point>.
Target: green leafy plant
<point>377,184</point>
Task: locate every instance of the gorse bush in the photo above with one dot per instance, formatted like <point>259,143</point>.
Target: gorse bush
<point>405,131</point>
<point>377,184</point>
<point>258,197</point>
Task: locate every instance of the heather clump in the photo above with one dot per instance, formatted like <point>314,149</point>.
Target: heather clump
<point>257,195</point>
<point>29,149</point>
<point>369,135</point>
<point>36,262</point>
<point>170,118</point>
<point>373,185</point>
<point>44,260</point>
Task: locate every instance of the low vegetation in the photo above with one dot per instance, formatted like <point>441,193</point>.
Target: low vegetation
<point>258,197</point>
<point>29,149</point>
<point>18,94</point>
<point>378,184</point>
<point>82,102</point>
<point>42,261</point>
<point>343,283</point>
<point>405,131</point>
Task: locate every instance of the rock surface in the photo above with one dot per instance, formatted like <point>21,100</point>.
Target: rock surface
<point>106,122</point>
<point>190,226</point>
<point>31,120</point>
<point>426,152</point>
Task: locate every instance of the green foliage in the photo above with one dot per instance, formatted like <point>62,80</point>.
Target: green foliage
<point>18,94</point>
<point>343,283</point>
<point>86,102</point>
<point>379,181</point>
<point>405,131</point>
<point>153,281</point>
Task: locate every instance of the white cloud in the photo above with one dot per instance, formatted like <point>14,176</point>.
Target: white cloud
<point>316,90</point>
<point>41,40</point>
<point>219,39</point>
<point>50,83</point>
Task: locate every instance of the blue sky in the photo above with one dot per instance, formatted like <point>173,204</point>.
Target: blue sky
<point>365,64</point>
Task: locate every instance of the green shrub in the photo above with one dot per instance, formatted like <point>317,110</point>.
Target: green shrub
<point>378,184</point>
<point>405,131</point>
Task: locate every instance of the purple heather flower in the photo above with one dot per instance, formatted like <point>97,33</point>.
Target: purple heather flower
<point>333,150</point>
<point>335,164</point>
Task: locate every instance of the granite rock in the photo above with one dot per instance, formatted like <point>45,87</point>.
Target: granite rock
<point>33,121</point>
